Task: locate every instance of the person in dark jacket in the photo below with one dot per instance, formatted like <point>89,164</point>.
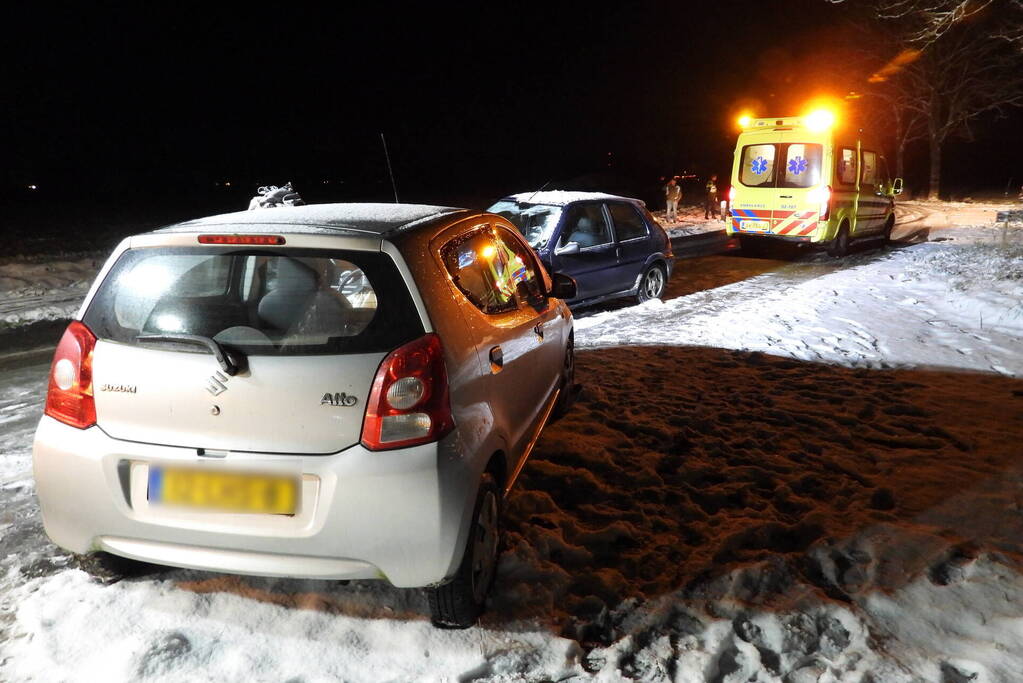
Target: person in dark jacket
<point>710,206</point>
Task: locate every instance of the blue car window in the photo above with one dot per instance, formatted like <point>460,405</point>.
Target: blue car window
<point>629,224</point>
<point>585,225</point>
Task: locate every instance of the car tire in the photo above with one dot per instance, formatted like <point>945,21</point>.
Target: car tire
<point>840,245</point>
<point>459,602</point>
<point>566,396</point>
<point>652,284</point>
<point>889,225</point>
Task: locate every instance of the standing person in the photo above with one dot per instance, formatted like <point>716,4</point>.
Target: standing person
<point>672,194</point>
<point>710,206</point>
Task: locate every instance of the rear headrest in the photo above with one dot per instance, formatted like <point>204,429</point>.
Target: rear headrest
<point>294,276</point>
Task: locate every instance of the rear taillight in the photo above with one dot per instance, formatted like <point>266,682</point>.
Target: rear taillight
<point>822,197</point>
<point>409,404</point>
<point>731,194</point>
<point>69,397</point>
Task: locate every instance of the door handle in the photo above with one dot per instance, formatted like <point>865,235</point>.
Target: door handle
<point>784,196</point>
<point>496,359</point>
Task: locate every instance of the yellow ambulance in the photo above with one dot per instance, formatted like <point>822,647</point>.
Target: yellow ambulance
<point>809,181</point>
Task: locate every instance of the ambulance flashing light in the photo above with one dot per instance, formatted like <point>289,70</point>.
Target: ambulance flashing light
<point>817,121</point>
<point>820,120</point>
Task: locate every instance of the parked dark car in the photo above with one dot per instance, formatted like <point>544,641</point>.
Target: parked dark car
<point>610,245</point>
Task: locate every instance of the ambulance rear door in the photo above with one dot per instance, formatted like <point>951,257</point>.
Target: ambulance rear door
<point>756,195</point>
<point>800,164</point>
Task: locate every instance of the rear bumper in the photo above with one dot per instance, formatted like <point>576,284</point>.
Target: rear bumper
<point>398,515</point>
<point>800,239</point>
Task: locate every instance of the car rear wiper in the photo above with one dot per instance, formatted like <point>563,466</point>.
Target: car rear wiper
<point>231,362</point>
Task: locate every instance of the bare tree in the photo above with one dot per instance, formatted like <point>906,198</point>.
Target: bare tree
<point>957,80</point>
<point>959,60</point>
<point>928,20</point>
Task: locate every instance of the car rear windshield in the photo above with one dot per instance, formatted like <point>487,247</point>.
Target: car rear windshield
<point>536,222</point>
<point>788,165</point>
<point>261,302</point>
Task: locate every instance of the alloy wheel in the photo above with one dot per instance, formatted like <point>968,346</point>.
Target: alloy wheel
<point>653,283</point>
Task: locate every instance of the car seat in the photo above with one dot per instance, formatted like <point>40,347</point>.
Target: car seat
<point>296,306</point>
<point>585,233</point>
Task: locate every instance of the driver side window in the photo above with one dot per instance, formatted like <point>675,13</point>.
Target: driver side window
<point>585,225</point>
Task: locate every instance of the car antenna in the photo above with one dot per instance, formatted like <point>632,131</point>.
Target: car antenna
<point>540,190</point>
<point>390,172</point>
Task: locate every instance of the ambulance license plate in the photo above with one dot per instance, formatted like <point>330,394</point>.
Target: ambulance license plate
<point>223,491</point>
<point>755,226</point>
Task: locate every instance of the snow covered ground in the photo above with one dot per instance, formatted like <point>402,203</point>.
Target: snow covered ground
<point>33,289</point>
<point>951,303</point>
<point>690,221</point>
<point>810,475</point>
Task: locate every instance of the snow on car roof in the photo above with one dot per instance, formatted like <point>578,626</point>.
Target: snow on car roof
<point>562,197</point>
<point>373,218</point>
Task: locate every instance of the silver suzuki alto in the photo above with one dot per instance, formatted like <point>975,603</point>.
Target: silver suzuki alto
<point>340,391</point>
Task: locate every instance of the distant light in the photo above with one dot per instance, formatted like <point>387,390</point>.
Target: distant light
<point>745,120</point>
<point>227,183</point>
<point>820,120</point>
<point>488,252</point>
<point>33,187</point>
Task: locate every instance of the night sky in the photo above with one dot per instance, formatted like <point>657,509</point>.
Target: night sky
<point>475,103</point>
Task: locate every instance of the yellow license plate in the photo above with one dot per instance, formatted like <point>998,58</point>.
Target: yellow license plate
<point>224,491</point>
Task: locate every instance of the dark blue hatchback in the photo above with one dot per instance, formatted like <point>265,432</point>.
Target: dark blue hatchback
<point>610,245</point>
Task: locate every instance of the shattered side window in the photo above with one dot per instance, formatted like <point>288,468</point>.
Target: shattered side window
<point>758,166</point>
<point>478,268</point>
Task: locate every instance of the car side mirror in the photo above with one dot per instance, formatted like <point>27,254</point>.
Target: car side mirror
<point>563,286</point>
<point>897,186</point>
<point>567,249</point>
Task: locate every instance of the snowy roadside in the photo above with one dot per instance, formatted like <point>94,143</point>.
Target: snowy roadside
<point>690,221</point>
<point>956,304</point>
<point>33,290</point>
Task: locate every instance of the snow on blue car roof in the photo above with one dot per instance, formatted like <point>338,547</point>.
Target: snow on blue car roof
<point>378,219</point>
<point>563,197</point>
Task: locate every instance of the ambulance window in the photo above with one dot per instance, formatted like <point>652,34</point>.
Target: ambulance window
<point>758,166</point>
<point>846,170</point>
<point>802,165</point>
<point>869,168</point>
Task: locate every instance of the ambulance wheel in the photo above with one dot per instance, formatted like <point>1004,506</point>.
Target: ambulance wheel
<point>840,245</point>
<point>889,225</point>
<point>651,286</point>
<point>459,602</point>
